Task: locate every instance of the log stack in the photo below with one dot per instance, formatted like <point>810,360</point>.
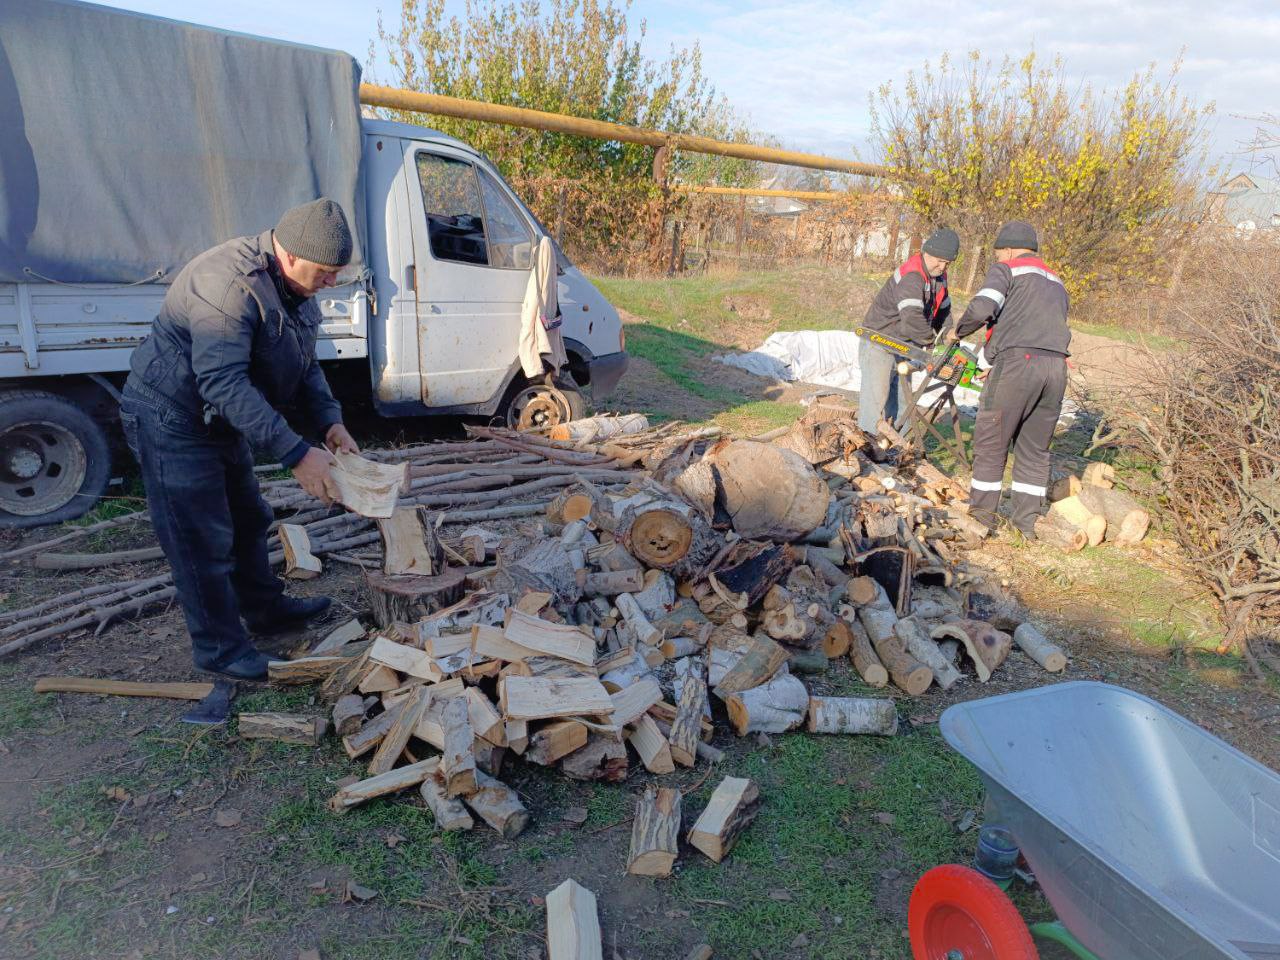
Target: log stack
<point>654,585</point>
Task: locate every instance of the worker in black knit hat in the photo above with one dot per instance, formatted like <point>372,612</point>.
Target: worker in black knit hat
<point>234,341</point>
<point>1023,305</point>
<point>913,305</point>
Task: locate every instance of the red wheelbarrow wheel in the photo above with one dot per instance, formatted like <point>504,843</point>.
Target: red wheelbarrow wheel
<point>958,914</point>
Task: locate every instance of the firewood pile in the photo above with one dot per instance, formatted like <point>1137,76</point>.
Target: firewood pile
<point>674,578</point>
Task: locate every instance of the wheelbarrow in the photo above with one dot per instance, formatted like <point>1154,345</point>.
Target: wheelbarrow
<point>1151,838</point>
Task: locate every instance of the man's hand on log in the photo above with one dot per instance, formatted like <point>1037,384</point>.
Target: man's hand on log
<point>313,474</point>
<point>338,440</point>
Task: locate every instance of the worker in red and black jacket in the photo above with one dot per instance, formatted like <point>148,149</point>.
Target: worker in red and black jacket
<point>912,306</point>
<point>1024,306</point>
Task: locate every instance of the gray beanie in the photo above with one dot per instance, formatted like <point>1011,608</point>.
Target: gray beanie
<point>1017,235</point>
<point>942,243</point>
<point>316,231</point>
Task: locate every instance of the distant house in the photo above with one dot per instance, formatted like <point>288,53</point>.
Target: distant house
<point>1246,202</point>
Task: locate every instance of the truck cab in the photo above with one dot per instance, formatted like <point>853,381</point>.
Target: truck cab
<point>428,326</point>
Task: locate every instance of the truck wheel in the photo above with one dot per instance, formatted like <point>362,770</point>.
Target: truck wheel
<point>535,405</point>
<point>54,459</point>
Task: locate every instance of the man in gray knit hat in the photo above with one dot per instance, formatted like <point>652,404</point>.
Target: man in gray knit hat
<point>235,339</point>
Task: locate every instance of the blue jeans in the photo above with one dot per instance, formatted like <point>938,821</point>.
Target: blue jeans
<point>882,392</point>
<point>210,519</point>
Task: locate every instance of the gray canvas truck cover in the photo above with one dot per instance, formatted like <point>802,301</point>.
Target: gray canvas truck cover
<point>129,144</point>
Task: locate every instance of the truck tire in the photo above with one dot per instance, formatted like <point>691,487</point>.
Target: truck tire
<point>530,405</point>
<point>55,460</point>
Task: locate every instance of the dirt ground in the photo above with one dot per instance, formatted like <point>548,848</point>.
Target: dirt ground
<point>126,834</point>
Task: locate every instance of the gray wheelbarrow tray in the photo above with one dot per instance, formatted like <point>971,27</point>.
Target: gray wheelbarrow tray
<point>1152,839</point>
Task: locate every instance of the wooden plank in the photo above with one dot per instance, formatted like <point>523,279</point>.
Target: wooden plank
<point>573,929</point>
<point>405,659</point>
<point>654,832</point>
<point>535,698</point>
<point>634,700</point>
<point>123,688</point>
<point>389,750</point>
<point>391,781</point>
<point>731,808</point>
<point>650,745</point>
<point>284,727</point>
<point>554,639</point>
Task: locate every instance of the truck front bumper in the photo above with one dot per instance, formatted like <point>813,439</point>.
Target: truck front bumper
<point>605,372</point>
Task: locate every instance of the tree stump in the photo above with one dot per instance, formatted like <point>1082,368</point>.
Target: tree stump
<point>407,599</point>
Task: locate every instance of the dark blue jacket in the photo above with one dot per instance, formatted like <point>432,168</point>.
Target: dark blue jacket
<point>232,341</point>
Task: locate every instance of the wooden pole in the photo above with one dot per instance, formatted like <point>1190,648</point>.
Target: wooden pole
<point>742,224</point>
<point>976,256</point>
<point>413,101</point>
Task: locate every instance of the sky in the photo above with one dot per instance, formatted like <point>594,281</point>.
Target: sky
<point>803,69</point>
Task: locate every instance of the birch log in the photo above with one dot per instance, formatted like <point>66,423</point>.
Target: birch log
<point>852,715</point>
<point>1039,648</point>
<point>774,707</point>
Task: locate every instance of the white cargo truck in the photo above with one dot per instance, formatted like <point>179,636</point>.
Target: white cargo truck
<point>427,325</point>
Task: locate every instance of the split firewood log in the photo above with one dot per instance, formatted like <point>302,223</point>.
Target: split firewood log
<point>1127,522</point>
<point>986,646</point>
<point>368,488</point>
<point>1074,512</point>
<point>299,564</point>
<point>654,833</point>
<point>601,759</point>
<point>573,925</point>
<point>408,547</point>
<point>732,807</point>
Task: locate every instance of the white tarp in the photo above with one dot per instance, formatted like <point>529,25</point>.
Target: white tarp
<point>826,358</point>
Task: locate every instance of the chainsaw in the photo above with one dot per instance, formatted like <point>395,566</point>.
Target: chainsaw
<point>952,362</point>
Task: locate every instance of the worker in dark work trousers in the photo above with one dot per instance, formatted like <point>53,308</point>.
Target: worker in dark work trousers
<point>1024,306</point>
<point>912,306</point>
<point>235,339</point>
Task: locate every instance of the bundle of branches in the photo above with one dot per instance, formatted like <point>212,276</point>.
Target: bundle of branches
<point>1208,414</point>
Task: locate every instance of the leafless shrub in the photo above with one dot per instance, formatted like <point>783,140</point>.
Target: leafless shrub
<point>1208,414</point>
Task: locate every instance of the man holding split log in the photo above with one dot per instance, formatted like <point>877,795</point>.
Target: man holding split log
<point>1024,307</point>
<point>235,339</point>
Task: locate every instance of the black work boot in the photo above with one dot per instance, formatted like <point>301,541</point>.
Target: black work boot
<point>288,613</point>
<point>250,665</point>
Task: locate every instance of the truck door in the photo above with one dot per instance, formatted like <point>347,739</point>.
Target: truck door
<point>472,253</point>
